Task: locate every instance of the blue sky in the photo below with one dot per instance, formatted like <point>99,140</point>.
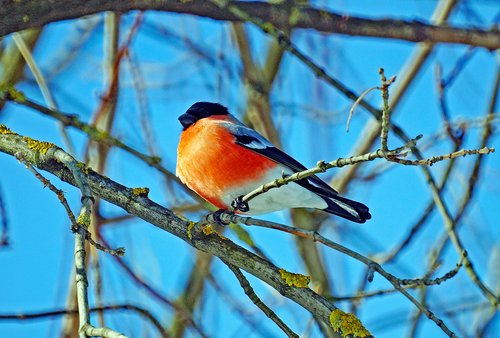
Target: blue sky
<point>37,264</point>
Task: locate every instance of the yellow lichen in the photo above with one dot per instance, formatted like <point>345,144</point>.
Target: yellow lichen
<point>268,27</point>
<point>40,146</point>
<point>295,279</point>
<point>84,220</point>
<point>189,228</point>
<point>6,131</point>
<point>208,230</point>
<point>347,324</point>
<point>140,192</point>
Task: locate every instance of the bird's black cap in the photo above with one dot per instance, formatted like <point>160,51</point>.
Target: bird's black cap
<point>200,110</point>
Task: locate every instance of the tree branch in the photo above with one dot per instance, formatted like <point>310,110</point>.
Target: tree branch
<point>141,206</point>
<point>119,307</point>
<point>20,15</point>
<point>372,265</point>
<point>247,288</point>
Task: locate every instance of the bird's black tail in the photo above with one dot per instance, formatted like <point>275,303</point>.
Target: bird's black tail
<point>348,209</point>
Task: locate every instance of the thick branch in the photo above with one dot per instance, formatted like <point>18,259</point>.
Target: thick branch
<point>20,15</point>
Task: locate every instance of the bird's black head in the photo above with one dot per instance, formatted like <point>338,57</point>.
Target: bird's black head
<point>200,110</point>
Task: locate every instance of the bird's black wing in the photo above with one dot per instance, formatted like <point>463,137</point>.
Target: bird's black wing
<point>252,140</point>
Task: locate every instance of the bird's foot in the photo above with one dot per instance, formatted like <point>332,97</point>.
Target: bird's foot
<point>219,219</point>
<point>239,204</point>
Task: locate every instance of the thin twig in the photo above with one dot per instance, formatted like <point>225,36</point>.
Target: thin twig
<point>406,76</point>
<point>424,217</point>
<point>42,84</point>
<point>385,122</point>
<point>432,160</point>
<point>315,236</point>
<point>48,151</point>
<point>94,133</point>
<point>119,307</point>
<point>449,222</point>
<point>451,231</point>
<point>426,281</point>
<point>391,155</point>
<point>355,104</point>
<point>247,288</point>
<point>156,294</point>
<point>75,227</point>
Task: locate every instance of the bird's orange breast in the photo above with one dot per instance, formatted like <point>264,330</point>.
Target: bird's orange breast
<point>210,163</point>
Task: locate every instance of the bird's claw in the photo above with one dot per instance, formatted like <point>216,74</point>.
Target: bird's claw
<point>239,204</point>
<point>218,219</point>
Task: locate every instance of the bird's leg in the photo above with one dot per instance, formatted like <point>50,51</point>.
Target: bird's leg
<point>239,204</point>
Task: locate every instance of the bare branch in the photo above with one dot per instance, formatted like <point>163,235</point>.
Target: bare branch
<point>384,89</point>
<point>427,281</point>
<point>245,284</point>
<point>391,155</point>
<point>315,236</point>
<point>94,133</point>
<point>74,224</point>
<point>119,307</point>
<point>21,15</point>
<point>163,218</point>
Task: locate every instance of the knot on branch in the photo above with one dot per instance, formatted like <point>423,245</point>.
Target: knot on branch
<point>321,165</point>
<point>371,271</point>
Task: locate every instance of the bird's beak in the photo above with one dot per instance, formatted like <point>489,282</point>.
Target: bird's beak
<point>186,120</point>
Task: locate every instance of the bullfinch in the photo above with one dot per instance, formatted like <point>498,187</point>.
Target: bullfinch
<point>221,159</point>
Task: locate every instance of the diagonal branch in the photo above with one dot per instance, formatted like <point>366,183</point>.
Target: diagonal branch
<point>143,207</point>
<point>372,265</point>
<point>247,288</point>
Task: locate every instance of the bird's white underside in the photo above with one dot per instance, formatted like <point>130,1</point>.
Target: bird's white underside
<point>288,196</point>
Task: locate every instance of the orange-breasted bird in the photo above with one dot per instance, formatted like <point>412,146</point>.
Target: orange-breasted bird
<point>221,159</point>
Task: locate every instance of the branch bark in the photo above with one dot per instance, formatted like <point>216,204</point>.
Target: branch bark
<point>20,15</point>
